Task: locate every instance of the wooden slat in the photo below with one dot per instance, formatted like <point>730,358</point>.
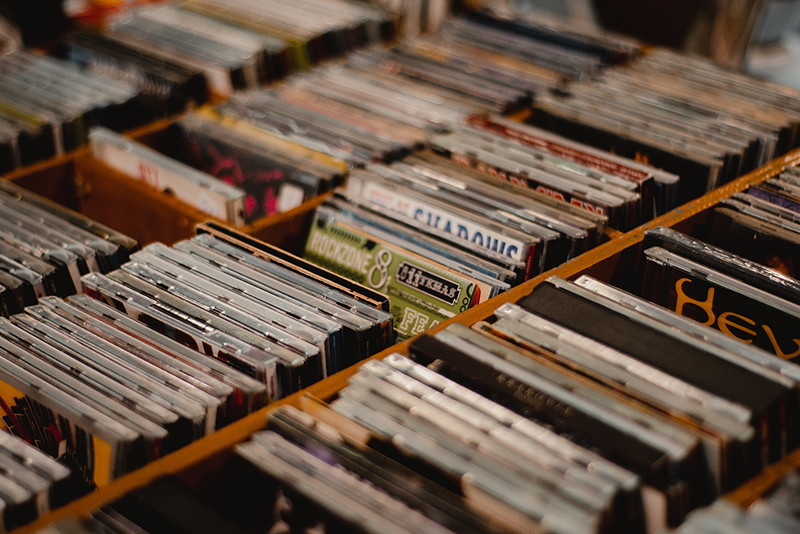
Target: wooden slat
<point>746,494</point>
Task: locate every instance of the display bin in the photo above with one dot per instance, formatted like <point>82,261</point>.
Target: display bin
<point>88,186</point>
<point>200,463</point>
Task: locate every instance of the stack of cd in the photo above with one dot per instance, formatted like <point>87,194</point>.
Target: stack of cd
<point>268,313</point>
<point>234,173</point>
<point>32,483</point>
<point>492,64</point>
<point>574,53</point>
<point>438,238</point>
<point>779,195</point>
<point>687,411</point>
<point>762,224</point>
<point>166,87</point>
<point>736,271</point>
<point>45,248</point>
<point>684,115</point>
<point>336,474</point>
<point>314,29</point>
<point>230,57</point>
<point>47,107</point>
<point>360,116</point>
<point>729,371</point>
<point>377,106</point>
<point>188,340</point>
<point>334,119</point>
<point>629,193</point>
<point>580,410</point>
<point>105,395</point>
<point>175,53</point>
<point>425,285</point>
<point>422,471</point>
<point>499,63</point>
<point>481,449</point>
<point>738,279</point>
<point>496,89</point>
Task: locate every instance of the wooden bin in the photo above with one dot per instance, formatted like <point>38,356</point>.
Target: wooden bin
<point>87,185</point>
<point>198,462</point>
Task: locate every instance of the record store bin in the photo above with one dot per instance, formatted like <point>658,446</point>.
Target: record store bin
<point>494,420</point>
<point>205,467</point>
